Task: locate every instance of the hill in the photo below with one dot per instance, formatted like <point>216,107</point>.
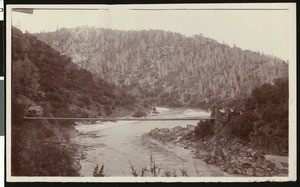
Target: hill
<point>168,68</point>
<point>46,83</point>
<point>63,89</point>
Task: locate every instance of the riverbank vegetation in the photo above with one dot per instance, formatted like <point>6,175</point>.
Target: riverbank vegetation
<point>41,148</point>
<point>153,169</point>
<point>263,122</point>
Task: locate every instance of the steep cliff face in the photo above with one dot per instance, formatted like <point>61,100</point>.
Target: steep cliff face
<point>167,68</point>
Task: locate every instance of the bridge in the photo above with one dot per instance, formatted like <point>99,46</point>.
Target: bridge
<point>198,118</point>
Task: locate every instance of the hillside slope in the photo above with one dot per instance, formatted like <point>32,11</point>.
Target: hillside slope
<point>52,85</point>
<point>167,68</point>
<point>52,81</point>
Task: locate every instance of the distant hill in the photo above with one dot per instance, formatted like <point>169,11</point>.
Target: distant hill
<point>167,68</point>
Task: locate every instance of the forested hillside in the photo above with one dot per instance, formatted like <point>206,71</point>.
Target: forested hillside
<point>263,123</point>
<point>167,68</point>
<point>50,83</point>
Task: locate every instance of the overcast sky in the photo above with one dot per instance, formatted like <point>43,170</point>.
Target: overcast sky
<point>257,30</point>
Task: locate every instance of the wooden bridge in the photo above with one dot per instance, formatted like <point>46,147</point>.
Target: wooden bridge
<point>198,118</point>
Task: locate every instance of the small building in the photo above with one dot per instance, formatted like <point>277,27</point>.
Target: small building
<point>34,110</point>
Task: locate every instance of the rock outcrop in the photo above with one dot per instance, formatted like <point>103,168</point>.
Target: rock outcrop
<point>228,154</point>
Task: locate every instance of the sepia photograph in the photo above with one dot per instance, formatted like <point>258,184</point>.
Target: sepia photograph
<point>151,93</point>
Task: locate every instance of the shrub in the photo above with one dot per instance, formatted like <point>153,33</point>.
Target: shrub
<point>99,172</point>
<point>204,128</point>
<point>154,170</point>
<point>139,113</point>
<point>85,100</point>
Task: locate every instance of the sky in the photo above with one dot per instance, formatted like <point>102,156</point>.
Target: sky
<point>265,31</point>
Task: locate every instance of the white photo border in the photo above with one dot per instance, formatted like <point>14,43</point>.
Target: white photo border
<point>290,7</point>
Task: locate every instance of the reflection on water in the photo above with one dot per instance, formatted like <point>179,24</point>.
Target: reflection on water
<point>114,144</point>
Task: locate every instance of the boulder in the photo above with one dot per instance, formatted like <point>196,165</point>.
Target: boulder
<point>282,172</point>
<point>230,170</point>
<point>250,171</point>
<point>237,171</point>
<point>259,173</point>
<point>76,165</point>
<point>177,129</point>
<point>189,129</point>
<point>246,164</point>
<point>165,130</point>
<point>283,164</point>
<point>259,154</point>
<point>155,130</point>
<point>271,166</point>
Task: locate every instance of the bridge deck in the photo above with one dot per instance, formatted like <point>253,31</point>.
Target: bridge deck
<point>120,119</point>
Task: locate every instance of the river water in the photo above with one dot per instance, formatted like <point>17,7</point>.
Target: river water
<point>114,144</point>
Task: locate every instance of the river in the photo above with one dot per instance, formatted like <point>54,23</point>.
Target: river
<point>114,144</point>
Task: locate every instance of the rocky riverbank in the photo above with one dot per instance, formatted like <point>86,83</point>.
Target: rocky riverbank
<point>229,155</point>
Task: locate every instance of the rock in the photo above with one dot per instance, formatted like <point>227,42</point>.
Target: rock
<point>283,164</point>
<point>250,171</point>
<point>165,130</point>
<point>254,165</point>
<point>259,173</point>
<point>176,129</point>
<point>189,129</point>
<point>83,156</point>
<point>271,165</point>
<point>229,170</point>
<point>222,167</point>
<point>237,171</point>
<point>248,154</point>
<point>282,172</point>
<point>247,164</point>
<point>259,154</point>
<point>260,161</point>
<point>273,173</point>
<point>269,169</point>
<point>155,130</point>
<point>219,159</point>
<point>243,171</point>
<point>212,160</point>
<point>76,165</point>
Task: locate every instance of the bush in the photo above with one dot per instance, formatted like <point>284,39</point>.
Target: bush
<point>242,128</point>
<point>154,170</point>
<point>139,113</point>
<point>85,100</point>
<point>204,128</point>
<point>99,172</point>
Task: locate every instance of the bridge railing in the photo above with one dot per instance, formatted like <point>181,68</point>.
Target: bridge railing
<point>120,119</point>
